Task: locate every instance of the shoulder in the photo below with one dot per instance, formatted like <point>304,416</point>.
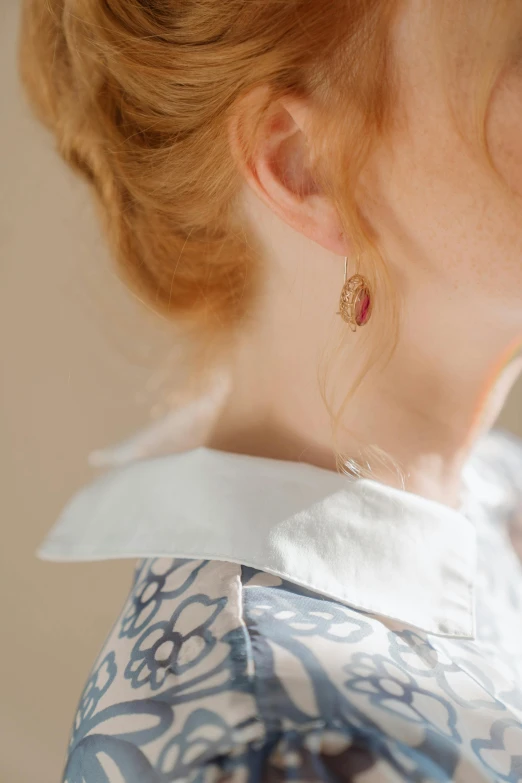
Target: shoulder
<point>154,706</point>
<point>215,672</point>
<point>495,467</point>
<point>502,449</point>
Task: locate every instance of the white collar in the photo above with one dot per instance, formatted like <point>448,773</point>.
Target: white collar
<point>381,550</point>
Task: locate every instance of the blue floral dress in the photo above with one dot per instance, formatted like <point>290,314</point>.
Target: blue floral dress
<point>332,662</point>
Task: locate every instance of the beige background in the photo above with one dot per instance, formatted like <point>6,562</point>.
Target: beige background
<point>79,363</point>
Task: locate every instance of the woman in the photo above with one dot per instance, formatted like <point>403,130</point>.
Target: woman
<point>326,197</point>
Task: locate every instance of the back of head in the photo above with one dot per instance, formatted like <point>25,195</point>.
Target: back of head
<point>139,95</point>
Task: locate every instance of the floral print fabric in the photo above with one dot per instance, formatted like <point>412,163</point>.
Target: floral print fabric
<point>218,672</point>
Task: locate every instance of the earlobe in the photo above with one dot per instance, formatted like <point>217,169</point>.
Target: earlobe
<point>276,165</point>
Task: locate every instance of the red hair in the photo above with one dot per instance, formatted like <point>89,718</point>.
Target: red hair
<point>139,93</point>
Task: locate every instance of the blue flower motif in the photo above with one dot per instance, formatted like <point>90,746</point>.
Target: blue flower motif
<point>391,688</point>
<point>419,657</point>
<point>157,580</point>
<point>163,649</point>
<point>502,752</point>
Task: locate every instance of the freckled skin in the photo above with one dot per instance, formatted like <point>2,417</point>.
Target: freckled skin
<point>451,238</point>
<point>437,204</point>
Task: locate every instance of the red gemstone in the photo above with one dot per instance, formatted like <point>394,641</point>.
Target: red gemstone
<point>362,307</point>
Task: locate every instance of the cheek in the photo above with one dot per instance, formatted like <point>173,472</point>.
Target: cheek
<point>504,129</point>
<point>439,213</point>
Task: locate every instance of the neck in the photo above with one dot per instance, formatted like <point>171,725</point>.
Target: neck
<point>443,387</point>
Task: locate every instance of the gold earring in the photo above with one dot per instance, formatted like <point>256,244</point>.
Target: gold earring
<point>355,303</point>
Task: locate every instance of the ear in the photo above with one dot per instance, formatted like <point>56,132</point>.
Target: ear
<point>272,149</point>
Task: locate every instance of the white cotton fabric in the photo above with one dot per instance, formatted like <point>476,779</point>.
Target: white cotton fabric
<point>381,550</point>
